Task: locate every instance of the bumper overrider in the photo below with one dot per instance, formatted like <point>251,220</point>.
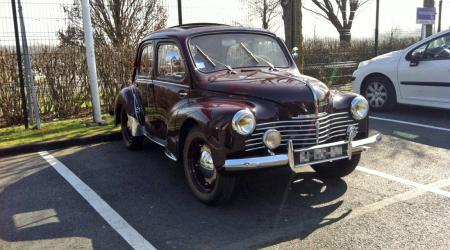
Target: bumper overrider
<point>352,146</point>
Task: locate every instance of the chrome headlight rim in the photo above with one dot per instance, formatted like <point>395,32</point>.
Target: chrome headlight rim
<point>359,108</point>
<point>243,114</point>
<point>271,132</point>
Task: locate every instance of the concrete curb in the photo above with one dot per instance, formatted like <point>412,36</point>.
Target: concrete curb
<point>50,145</point>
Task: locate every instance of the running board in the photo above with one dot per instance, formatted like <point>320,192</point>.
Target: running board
<point>156,140</point>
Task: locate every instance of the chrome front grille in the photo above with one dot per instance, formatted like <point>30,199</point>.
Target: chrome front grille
<point>304,131</point>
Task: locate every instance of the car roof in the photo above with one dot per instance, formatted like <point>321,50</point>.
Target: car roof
<point>190,29</point>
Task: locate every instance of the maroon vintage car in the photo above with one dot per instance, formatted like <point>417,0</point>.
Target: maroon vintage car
<point>224,99</point>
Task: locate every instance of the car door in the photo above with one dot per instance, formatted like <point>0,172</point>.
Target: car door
<point>171,84</point>
<point>144,81</point>
<point>427,82</point>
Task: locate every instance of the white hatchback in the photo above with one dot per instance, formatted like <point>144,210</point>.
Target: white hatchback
<point>417,75</point>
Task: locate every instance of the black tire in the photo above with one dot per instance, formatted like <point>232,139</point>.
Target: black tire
<point>221,188</point>
<point>380,93</point>
<point>337,169</point>
<point>130,141</point>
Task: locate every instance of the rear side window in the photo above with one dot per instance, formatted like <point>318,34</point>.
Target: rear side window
<point>170,63</point>
<point>146,63</point>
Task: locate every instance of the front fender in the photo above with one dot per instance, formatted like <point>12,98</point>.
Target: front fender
<point>130,99</point>
<point>342,103</point>
<point>213,116</point>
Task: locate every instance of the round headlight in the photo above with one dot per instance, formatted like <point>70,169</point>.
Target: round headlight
<point>359,108</point>
<point>272,138</point>
<point>244,122</point>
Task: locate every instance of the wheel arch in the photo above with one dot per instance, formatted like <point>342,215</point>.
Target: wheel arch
<point>130,99</point>
<point>186,126</point>
<point>376,74</point>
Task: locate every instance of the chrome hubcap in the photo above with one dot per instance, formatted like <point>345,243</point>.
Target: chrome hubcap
<point>376,94</point>
<point>207,165</point>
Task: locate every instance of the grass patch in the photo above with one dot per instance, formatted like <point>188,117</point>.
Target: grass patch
<point>54,131</point>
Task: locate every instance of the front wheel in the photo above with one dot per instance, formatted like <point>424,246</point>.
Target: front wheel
<point>337,169</point>
<point>380,93</point>
<point>208,185</point>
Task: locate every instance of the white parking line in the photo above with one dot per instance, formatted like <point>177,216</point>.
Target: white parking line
<point>127,232</point>
<point>404,181</point>
<point>410,123</point>
<point>402,197</point>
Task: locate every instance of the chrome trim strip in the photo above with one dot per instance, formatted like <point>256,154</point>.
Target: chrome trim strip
<point>256,163</point>
<point>296,120</point>
<point>152,138</point>
<point>170,155</point>
<point>309,116</point>
<point>326,124</point>
<point>296,143</point>
<point>373,139</point>
<point>288,159</point>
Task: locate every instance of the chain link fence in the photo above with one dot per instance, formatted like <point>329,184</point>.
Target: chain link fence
<point>60,70</point>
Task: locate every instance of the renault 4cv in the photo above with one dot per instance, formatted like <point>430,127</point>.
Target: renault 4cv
<point>222,99</point>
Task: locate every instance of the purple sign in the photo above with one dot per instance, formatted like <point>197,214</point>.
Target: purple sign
<point>426,15</point>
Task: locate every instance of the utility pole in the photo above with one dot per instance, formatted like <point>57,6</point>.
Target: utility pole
<point>180,13</point>
<point>440,16</point>
<point>19,64</point>
<point>32,97</point>
<point>293,23</point>
<point>90,57</point>
<point>428,27</point>
<point>377,23</point>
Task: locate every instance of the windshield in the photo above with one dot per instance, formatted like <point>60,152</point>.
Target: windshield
<point>236,50</point>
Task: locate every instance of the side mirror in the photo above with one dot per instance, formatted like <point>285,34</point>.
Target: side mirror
<point>294,52</point>
<point>416,57</point>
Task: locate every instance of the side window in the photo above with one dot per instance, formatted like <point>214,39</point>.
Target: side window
<point>146,63</point>
<point>439,48</point>
<point>419,52</point>
<point>170,63</point>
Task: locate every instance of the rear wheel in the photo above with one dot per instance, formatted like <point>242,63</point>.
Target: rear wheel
<point>208,185</point>
<point>380,93</point>
<point>337,169</point>
<point>131,142</point>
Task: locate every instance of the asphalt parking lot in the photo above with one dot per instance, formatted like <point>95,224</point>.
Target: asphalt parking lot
<point>103,196</point>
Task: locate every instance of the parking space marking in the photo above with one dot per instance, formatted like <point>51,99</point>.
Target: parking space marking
<point>125,230</point>
<point>408,195</point>
<point>423,187</point>
<point>410,123</point>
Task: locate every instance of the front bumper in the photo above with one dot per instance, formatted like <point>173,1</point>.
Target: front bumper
<point>354,146</point>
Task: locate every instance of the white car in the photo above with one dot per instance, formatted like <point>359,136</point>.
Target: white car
<point>417,75</point>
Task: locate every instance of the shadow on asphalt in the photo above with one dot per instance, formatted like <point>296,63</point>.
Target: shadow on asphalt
<point>38,205</point>
<point>270,206</point>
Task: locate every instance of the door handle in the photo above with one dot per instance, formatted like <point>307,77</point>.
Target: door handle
<point>182,93</point>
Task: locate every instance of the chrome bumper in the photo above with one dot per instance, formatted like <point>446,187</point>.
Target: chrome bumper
<point>354,146</point>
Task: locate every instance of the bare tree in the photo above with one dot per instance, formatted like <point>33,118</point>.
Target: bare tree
<point>287,19</point>
<point>115,22</point>
<point>267,11</point>
<point>341,13</point>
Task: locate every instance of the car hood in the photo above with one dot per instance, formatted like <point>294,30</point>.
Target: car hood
<point>391,56</point>
<point>290,91</point>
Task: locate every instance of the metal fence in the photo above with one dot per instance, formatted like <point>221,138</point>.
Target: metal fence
<point>60,71</point>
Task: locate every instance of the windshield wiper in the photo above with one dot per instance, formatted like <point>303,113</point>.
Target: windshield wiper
<point>255,57</point>
<point>211,60</point>
<point>205,56</point>
<point>249,52</point>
